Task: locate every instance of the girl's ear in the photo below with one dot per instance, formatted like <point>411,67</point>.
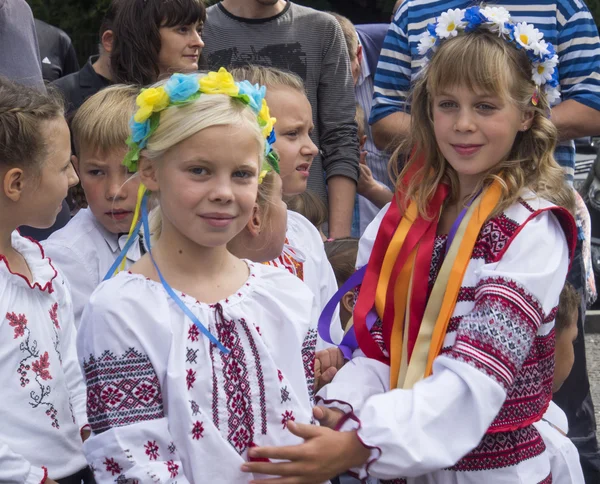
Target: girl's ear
<point>254,225</point>
<point>148,175</point>
<point>14,184</point>
<point>527,119</point>
<point>348,301</point>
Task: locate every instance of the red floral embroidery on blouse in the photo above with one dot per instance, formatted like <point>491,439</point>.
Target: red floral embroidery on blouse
<point>286,417</point>
<point>41,366</point>
<point>151,450</point>
<point>173,468</point>
<point>113,467</point>
<point>54,315</point>
<point>190,378</point>
<point>193,333</point>
<point>198,430</point>
<point>18,322</point>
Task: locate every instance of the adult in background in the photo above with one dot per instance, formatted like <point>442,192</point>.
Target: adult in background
<point>19,51</point>
<point>95,74</point>
<point>56,51</point>
<point>569,26</point>
<point>282,34</point>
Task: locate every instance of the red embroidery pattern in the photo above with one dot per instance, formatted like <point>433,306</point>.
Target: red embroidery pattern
<point>260,378</point>
<point>547,480</point>
<point>288,261</point>
<point>172,468</point>
<point>152,450</point>
<point>308,359</point>
<point>40,367</point>
<point>18,322</point>
<point>198,430</point>
<point>190,378</point>
<point>121,390</point>
<point>493,238</point>
<point>54,315</point>
<point>237,385</point>
<point>280,375</point>
<point>193,333</point>
<point>286,417</point>
<point>112,466</point>
<point>503,449</point>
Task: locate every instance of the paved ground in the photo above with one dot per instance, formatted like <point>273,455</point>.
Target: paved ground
<point>592,348</point>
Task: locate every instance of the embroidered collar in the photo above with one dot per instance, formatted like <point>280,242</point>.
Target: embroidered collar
<point>43,272</point>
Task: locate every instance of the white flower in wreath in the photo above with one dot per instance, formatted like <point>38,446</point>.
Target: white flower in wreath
<point>527,36</point>
<point>426,42</point>
<point>497,17</point>
<point>449,23</point>
<point>542,71</point>
<point>553,95</point>
<point>540,48</point>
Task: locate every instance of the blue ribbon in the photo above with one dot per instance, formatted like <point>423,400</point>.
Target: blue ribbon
<point>348,343</point>
<point>132,238</point>
<point>169,289</point>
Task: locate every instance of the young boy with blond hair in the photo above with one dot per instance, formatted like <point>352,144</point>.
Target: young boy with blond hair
<point>89,244</point>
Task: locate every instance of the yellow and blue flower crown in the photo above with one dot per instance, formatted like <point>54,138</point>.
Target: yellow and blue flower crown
<point>182,89</point>
<point>498,20</point>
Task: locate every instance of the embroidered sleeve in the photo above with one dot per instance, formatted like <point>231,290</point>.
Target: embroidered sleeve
<point>124,364</point>
<point>63,323</point>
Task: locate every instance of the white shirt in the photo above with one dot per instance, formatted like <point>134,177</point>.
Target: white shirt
<point>43,395</point>
<point>164,402</point>
<point>84,251</point>
<point>564,458</point>
<point>304,256</point>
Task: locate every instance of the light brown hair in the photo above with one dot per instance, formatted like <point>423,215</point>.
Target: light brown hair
<point>310,206</point>
<point>568,305</point>
<point>101,124</point>
<point>23,110</point>
<point>270,77</point>
<point>342,255</point>
<point>482,61</point>
<point>350,35</point>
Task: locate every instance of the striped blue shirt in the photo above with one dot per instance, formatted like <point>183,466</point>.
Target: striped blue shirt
<point>567,24</point>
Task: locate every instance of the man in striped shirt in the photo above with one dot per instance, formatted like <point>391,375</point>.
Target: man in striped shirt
<point>282,34</point>
<point>569,26</point>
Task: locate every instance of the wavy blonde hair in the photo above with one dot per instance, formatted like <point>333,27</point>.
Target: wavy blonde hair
<point>178,123</point>
<point>482,62</point>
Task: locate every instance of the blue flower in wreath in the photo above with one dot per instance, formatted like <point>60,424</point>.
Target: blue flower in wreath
<point>253,95</point>
<point>431,30</point>
<point>553,82</point>
<point>269,143</point>
<point>509,32</point>
<point>139,132</point>
<point>181,86</point>
<point>551,53</point>
<point>474,18</point>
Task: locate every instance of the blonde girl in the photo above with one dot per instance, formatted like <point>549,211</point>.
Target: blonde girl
<point>195,356</point>
<point>455,316</point>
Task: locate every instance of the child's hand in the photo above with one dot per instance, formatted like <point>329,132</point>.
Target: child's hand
<point>328,417</point>
<point>366,182</point>
<point>324,454</point>
<point>327,363</point>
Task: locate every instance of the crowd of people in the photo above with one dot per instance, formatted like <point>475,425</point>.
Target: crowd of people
<point>254,242</point>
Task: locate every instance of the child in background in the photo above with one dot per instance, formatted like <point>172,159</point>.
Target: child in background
<point>43,410</point>
<point>195,356</point>
<point>455,314</point>
<point>303,253</point>
<point>311,207</point>
<point>88,246</point>
<point>342,257</point>
<point>564,458</point>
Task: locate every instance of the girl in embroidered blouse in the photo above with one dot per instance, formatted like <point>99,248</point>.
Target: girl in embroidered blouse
<point>454,321</point>
<point>195,356</point>
<point>43,412</point>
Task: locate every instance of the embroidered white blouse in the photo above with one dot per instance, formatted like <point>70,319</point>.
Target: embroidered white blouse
<point>43,394</point>
<point>495,368</point>
<point>84,251</point>
<point>304,256</point>
<point>165,405</point>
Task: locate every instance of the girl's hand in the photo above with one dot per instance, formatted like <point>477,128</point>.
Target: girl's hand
<point>366,182</point>
<point>328,417</point>
<point>324,455</point>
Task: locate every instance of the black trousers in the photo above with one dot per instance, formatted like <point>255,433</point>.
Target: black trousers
<point>84,476</point>
<point>574,397</point>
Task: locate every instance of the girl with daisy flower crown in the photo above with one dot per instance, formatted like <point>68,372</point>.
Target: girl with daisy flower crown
<point>452,346</point>
<point>194,356</point>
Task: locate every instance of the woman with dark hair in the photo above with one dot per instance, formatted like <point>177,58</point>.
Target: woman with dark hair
<point>156,37</point>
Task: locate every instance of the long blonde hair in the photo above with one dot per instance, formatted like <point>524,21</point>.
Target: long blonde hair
<point>481,61</point>
<point>178,123</point>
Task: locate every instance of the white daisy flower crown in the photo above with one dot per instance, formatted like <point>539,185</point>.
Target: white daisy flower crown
<point>544,72</point>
